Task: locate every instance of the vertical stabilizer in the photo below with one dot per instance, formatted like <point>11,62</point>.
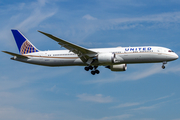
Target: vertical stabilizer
<point>24,45</point>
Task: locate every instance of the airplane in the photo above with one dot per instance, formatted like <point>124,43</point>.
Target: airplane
<point>116,59</point>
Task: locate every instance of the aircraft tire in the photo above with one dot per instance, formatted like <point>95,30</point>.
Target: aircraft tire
<point>90,67</point>
<point>97,71</point>
<point>163,67</point>
<point>93,72</point>
<point>86,68</point>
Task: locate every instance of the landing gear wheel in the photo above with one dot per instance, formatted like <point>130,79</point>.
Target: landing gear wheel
<point>97,71</point>
<point>86,68</point>
<point>163,67</point>
<point>90,67</point>
<point>93,72</point>
<point>93,69</point>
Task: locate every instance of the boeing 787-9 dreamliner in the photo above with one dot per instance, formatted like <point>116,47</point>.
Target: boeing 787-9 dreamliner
<point>116,59</point>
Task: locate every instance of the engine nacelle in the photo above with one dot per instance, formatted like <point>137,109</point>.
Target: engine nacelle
<point>109,58</point>
<point>120,67</point>
<point>106,58</point>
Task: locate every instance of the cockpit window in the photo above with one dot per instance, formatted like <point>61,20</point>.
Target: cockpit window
<point>170,51</point>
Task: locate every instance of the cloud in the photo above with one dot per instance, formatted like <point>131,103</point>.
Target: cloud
<point>18,98</point>
<point>38,15</point>
<point>34,19</point>
<point>98,98</point>
<point>151,106</point>
<point>172,69</point>
<point>137,75</point>
<point>29,74</point>
<point>145,73</point>
<point>163,20</point>
<point>23,16</point>
<point>25,11</point>
<point>52,89</point>
<point>81,28</point>
<point>138,104</point>
<point>11,113</point>
<point>89,17</point>
<point>42,2</point>
<point>118,117</point>
<point>34,13</point>
<point>145,108</point>
<point>154,69</point>
<point>127,105</point>
<point>5,79</point>
<point>164,97</point>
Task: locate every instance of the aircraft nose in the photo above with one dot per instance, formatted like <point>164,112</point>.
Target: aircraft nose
<point>176,56</point>
<point>173,56</point>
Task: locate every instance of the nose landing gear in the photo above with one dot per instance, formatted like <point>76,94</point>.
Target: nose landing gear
<point>163,65</point>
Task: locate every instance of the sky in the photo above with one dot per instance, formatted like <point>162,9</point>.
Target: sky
<point>143,92</point>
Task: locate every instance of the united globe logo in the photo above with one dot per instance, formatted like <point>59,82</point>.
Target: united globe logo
<point>27,48</point>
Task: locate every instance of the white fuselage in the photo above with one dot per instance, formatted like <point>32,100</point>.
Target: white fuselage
<point>124,55</point>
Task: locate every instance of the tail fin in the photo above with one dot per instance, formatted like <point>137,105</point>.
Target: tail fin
<point>24,45</point>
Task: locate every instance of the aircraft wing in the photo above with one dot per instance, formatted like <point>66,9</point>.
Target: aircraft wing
<point>83,53</point>
<point>14,54</point>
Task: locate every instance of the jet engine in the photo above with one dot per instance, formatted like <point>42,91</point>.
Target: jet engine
<point>120,67</point>
<point>109,58</point>
<point>106,58</point>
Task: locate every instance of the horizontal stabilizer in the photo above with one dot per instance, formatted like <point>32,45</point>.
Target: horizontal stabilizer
<point>14,54</point>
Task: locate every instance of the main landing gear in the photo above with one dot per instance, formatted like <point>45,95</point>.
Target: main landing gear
<point>93,72</point>
<point>163,65</point>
